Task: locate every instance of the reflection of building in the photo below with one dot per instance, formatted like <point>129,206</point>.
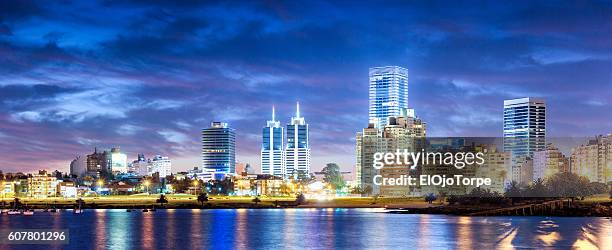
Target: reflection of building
<point>219,149</point>
<point>594,159</point>
<point>42,185</point>
<point>272,148</point>
<point>524,128</point>
<point>402,132</point>
<point>548,162</point>
<point>297,152</point>
<point>78,166</point>
<point>117,161</point>
<point>388,93</point>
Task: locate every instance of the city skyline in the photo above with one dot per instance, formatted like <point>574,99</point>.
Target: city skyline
<point>150,79</point>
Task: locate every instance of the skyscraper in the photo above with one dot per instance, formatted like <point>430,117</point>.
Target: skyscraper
<point>297,152</point>
<point>272,148</point>
<point>388,93</point>
<point>219,149</point>
<point>524,130</point>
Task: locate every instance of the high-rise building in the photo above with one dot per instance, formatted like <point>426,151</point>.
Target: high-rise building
<point>524,128</point>
<point>548,162</point>
<point>117,161</point>
<point>403,132</point>
<point>219,149</point>
<point>594,159</point>
<point>388,93</point>
<point>97,163</point>
<point>272,148</point>
<point>162,165</point>
<point>297,151</point>
<point>78,166</point>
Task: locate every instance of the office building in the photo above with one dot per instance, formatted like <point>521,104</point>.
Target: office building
<point>297,151</point>
<point>388,93</point>
<point>97,163</point>
<point>524,129</point>
<point>272,148</point>
<point>219,150</point>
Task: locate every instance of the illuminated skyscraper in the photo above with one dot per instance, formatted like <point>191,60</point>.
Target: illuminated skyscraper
<point>297,152</point>
<point>272,148</point>
<point>388,93</point>
<point>524,130</point>
<point>219,149</point>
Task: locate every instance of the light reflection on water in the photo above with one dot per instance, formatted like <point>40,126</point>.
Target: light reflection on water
<point>311,228</point>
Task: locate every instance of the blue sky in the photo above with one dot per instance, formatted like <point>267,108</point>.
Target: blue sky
<point>148,76</point>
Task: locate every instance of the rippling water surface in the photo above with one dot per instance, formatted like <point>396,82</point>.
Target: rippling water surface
<point>311,228</point>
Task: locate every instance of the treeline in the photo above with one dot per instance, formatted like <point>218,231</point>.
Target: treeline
<point>560,185</point>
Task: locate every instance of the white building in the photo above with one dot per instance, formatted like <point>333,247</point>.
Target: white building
<point>162,165</point>
<point>297,151</point>
<point>118,161</point>
<point>272,148</point>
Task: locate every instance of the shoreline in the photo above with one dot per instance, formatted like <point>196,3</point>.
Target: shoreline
<point>589,208</point>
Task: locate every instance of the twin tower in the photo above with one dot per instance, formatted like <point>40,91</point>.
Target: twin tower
<point>286,158</point>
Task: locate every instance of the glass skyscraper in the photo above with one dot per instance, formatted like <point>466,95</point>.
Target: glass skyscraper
<point>272,148</point>
<point>297,152</point>
<point>388,93</point>
<point>219,149</point>
<point>524,131</point>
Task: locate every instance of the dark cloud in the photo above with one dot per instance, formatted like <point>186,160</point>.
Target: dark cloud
<point>147,76</point>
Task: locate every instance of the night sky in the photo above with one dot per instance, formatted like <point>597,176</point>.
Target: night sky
<point>149,76</point>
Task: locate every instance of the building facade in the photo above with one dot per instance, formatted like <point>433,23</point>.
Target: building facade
<point>78,166</point>
<point>388,93</point>
<point>117,161</point>
<point>524,130</point>
<point>548,162</point>
<point>272,148</point>
<point>593,159</point>
<point>297,151</point>
<point>219,149</point>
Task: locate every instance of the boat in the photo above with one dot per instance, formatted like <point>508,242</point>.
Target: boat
<point>4,211</point>
<point>13,212</point>
<point>28,212</point>
<point>53,210</point>
<point>77,211</point>
<point>129,210</point>
<point>145,210</point>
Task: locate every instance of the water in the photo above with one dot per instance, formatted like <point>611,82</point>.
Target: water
<point>311,228</point>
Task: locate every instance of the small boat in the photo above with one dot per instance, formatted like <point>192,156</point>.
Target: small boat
<point>77,211</point>
<point>128,210</point>
<point>4,211</point>
<point>145,210</point>
<point>13,212</point>
<point>28,212</point>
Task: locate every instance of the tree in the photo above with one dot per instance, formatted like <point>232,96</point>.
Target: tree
<point>537,189</point>
<point>300,199</point>
<point>568,185</point>
<point>430,198</point>
<point>162,200</point>
<point>256,200</point>
<point>513,191</point>
<point>333,176</point>
<point>203,197</point>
